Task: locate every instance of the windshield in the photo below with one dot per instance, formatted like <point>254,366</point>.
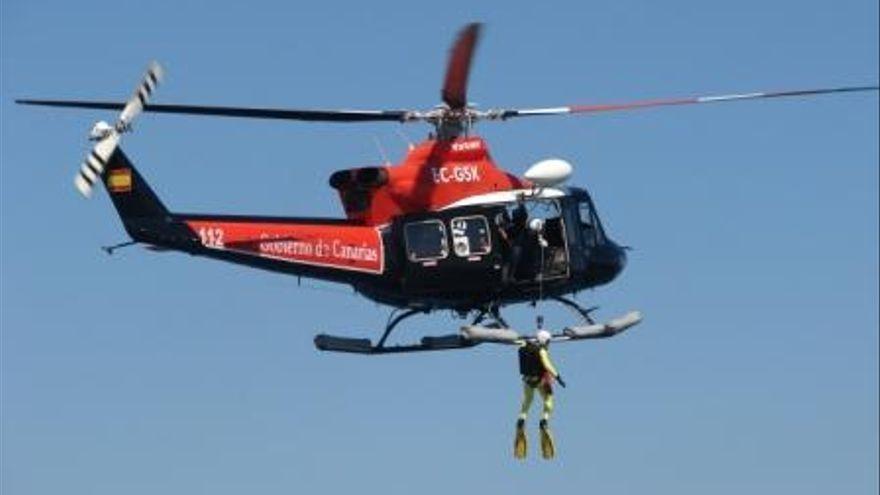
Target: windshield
<point>589,222</point>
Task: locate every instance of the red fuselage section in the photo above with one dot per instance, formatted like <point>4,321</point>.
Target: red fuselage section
<point>434,174</point>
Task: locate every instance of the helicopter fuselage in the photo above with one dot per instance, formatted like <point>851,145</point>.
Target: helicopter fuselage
<point>445,229</point>
<point>460,258</point>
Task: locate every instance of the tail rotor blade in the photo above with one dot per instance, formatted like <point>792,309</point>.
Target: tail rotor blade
<point>457,71</point>
<point>92,169</point>
<point>141,95</point>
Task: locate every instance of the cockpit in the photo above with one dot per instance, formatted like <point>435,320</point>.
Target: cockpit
<point>544,239</point>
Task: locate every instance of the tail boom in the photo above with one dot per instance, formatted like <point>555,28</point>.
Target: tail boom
<point>336,248</point>
<point>330,249</point>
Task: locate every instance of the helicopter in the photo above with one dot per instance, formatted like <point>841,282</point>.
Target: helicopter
<point>444,229</point>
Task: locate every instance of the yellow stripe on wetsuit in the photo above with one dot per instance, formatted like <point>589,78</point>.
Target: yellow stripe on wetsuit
<point>546,363</point>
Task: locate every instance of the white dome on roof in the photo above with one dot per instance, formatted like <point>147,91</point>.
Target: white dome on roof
<point>549,172</point>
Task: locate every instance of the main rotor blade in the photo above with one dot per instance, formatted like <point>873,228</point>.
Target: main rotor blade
<point>459,67</point>
<point>258,113</point>
<point>635,105</point>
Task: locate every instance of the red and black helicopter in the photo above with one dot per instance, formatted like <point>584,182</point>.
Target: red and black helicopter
<point>446,228</point>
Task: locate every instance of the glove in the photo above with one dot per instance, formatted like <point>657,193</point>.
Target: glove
<point>560,381</point>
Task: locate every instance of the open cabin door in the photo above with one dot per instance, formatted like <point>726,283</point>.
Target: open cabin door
<point>541,255</point>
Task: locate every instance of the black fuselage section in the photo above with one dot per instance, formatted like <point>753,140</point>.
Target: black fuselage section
<point>469,257</point>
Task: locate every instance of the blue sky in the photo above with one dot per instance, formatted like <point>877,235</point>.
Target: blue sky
<point>754,227</point>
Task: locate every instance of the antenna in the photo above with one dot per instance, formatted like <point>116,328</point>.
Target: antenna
<point>406,139</point>
<point>385,159</point>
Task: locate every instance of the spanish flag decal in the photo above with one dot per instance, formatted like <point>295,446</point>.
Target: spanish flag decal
<point>119,180</point>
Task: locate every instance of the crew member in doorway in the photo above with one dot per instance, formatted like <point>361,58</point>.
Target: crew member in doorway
<point>512,231</point>
<point>537,372</point>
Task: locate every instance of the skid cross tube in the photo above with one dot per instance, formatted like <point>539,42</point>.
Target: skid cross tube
<point>490,310</point>
<point>393,321</point>
<point>584,313</point>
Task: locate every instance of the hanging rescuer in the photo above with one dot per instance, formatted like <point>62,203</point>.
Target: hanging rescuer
<point>537,372</point>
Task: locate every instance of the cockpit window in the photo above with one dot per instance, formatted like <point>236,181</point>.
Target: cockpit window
<point>470,236</point>
<point>589,222</point>
<point>426,240</point>
<point>586,214</point>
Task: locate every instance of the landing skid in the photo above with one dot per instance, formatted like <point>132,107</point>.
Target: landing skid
<point>365,346</point>
<point>326,342</point>
<point>495,331</point>
<point>611,328</point>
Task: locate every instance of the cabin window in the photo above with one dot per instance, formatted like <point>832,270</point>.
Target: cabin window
<point>426,240</point>
<point>470,236</point>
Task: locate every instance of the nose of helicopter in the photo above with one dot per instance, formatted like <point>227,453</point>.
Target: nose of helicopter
<point>620,251</point>
<point>618,259</point>
<point>607,261</point>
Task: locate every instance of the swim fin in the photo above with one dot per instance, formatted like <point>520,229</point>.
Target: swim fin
<point>548,447</point>
<point>520,445</point>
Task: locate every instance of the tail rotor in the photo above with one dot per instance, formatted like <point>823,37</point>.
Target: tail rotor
<point>107,137</point>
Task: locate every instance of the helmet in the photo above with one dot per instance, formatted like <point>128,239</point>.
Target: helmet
<point>543,337</point>
<point>536,225</point>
